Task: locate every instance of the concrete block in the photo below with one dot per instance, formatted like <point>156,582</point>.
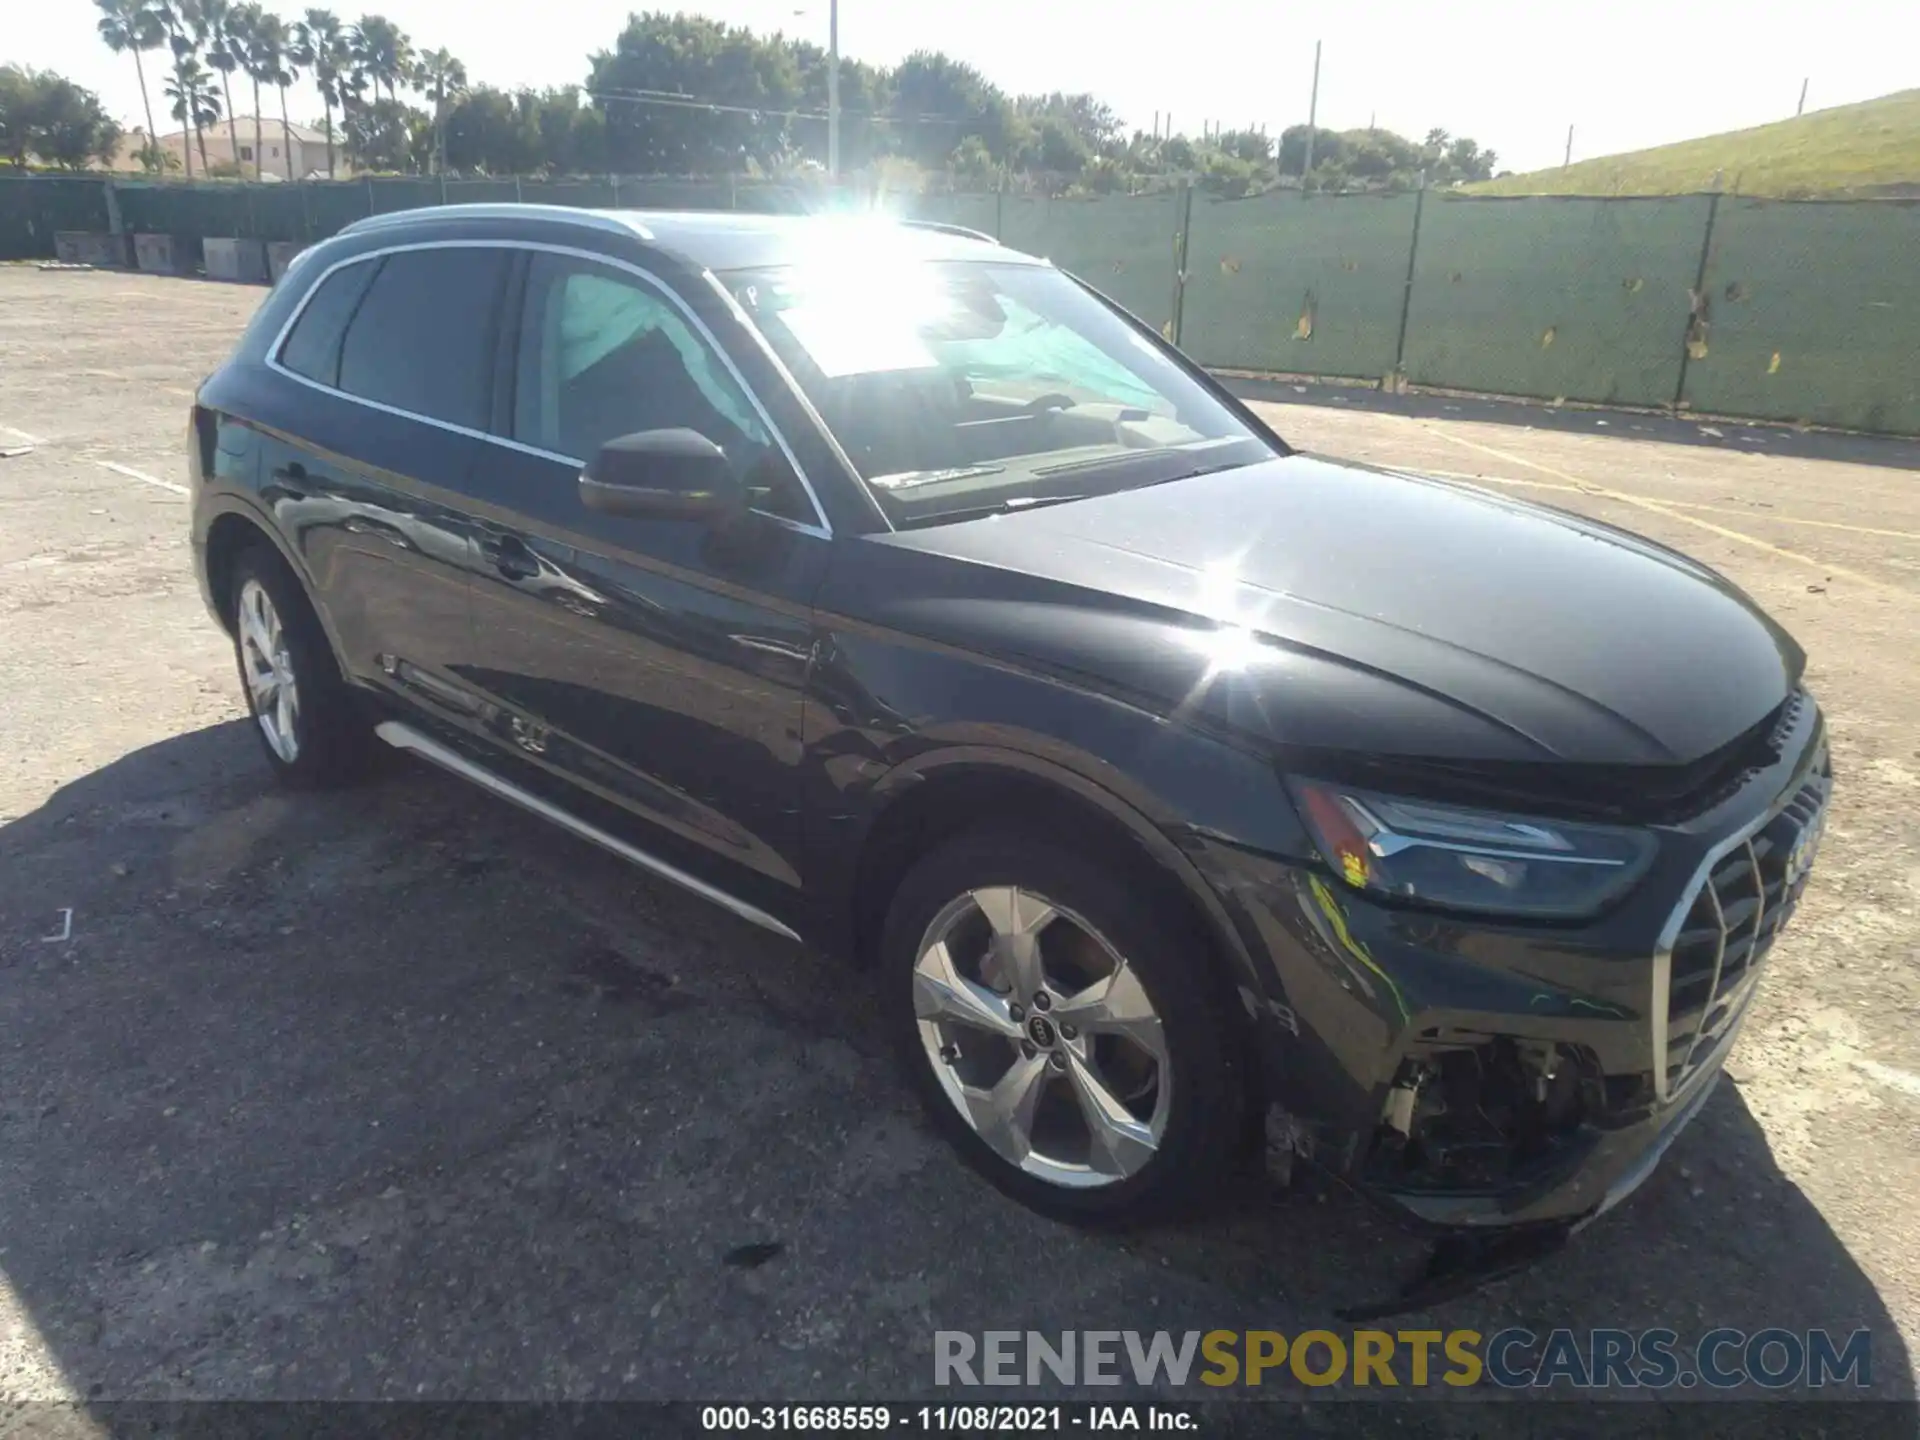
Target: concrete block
<point>280,254</point>
<point>160,254</point>
<point>92,247</point>
<point>244,261</point>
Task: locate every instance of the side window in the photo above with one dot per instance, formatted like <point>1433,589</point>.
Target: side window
<point>603,354</point>
<point>313,348</point>
<point>423,338</point>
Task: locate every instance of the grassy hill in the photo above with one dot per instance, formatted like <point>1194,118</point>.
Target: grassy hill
<point>1872,148</point>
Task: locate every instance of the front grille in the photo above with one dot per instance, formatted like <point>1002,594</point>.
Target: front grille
<point>1748,894</point>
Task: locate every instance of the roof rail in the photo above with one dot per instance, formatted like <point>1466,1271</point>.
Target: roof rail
<point>503,210</point>
<point>945,229</point>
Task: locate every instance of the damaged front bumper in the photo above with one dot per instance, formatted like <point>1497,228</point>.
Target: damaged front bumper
<point>1501,1086</point>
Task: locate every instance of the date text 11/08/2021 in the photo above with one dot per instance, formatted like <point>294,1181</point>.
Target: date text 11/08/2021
<point>937,1419</point>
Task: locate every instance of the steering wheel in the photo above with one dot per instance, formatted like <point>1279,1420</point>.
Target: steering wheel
<point>1052,400</point>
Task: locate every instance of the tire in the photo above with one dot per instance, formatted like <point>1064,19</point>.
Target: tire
<point>305,717</point>
<point>1194,1107</point>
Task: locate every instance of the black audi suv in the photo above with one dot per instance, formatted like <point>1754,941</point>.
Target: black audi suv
<point>897,592</point>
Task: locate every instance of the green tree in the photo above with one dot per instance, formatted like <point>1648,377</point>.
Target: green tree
<point>320,47</point>
<point>46,115</point>
<point>865,94</point>
<point>186,32</point>
<point>223,55</point>
<point>243,26</point>
<point>389,135</point>
<point>938,101</point>
<point>1094,123</point>
<point>1249,146</point>
<point>133,26</point>
<point>750,87</point>
<point>196,104</point>
<point>384,52</point>
<point>488,132</point>
<point>440,77</point>
<point>270,62</point>
<point>1328,148</point>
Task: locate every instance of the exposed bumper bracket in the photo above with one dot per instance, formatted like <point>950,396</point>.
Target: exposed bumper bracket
<point>1460,1264</point>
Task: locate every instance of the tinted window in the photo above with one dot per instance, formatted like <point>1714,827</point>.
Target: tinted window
<point>604,354</point>
<point>423,340</point>
<point>313,349</point>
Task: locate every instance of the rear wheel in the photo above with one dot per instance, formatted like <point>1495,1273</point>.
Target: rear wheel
<point>313,733</point>
<point>1064,1029</point>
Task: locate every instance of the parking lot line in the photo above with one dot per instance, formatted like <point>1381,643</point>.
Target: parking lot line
<point>29,438</point>
<point>142,476</point>
<point>1677,504</point>
<point>1661,507</point>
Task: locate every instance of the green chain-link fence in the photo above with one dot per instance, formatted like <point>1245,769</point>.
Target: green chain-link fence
<point>1798,311</point>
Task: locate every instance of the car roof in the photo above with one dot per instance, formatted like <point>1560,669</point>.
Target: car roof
<point>723,239</point>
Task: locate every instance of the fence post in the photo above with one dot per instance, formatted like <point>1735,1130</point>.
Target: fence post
<point>615,179</point>
<point>1396,378</point>
<point>517,197</point>
<point>370,201</point>
<point>1000,210</point>
<point>443,187</point>
<point>1180,258</point>
<point>112,197</point>
<point>1697,301</point>
<point>306,215</point>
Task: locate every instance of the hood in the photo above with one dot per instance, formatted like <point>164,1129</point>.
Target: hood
<point>1342,607</point>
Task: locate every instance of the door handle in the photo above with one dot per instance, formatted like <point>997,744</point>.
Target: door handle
<point>510,557</point>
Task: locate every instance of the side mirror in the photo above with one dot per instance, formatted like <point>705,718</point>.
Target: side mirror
<point>661,475</point>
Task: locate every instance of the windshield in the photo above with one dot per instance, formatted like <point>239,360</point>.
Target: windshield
<point>967,388</point>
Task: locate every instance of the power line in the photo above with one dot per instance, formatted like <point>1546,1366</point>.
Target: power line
<point>680,101</point>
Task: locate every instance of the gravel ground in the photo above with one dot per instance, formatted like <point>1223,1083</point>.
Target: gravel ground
<point>400,1093</point>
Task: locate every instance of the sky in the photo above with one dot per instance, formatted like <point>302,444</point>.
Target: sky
<point>1624,74</point>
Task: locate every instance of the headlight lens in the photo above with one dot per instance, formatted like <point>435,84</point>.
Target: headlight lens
<point>1471,859</point>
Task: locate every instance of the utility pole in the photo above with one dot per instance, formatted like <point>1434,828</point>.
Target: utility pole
<point>1801,108</point>
<point>1313,112</point>
<point>833,89</point>
<point>1569,160</point>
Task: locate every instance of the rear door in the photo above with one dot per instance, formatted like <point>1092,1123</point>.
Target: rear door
<point>394,357</point>
<point>659,663</point>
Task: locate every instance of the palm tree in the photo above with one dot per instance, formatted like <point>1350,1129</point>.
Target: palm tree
<point>195,104</point>
<point>384,52</point>
<point>133,25</point>
<point>270,62</point>
<point>318,47</point>
<point>243,30</point>
<point>223,54</point>
<point>441,76</point>
<point>186,32</point>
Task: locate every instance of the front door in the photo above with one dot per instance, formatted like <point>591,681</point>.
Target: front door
<point>659,664</point>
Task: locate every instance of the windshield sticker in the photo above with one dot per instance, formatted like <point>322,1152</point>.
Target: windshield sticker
<point>859,342</point>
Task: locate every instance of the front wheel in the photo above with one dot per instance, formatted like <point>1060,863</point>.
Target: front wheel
<point>1065,1030</point>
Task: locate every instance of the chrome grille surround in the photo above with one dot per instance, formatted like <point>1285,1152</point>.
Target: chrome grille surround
<point>1715,943</point>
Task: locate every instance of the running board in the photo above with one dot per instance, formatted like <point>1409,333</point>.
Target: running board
<point>405,737</point>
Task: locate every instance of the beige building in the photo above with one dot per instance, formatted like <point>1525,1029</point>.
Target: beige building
<point>309,150</point>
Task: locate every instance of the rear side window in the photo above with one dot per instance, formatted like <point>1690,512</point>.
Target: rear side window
<point>313,349</point>
<point>422,340</point>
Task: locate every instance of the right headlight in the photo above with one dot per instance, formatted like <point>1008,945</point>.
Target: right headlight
<point>1464,859</point>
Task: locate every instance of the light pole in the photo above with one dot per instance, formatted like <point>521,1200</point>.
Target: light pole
<point>833,89</point>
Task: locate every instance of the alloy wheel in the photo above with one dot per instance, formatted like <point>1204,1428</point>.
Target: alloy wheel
<point>1043,1038</point>
<point>268,669</point>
